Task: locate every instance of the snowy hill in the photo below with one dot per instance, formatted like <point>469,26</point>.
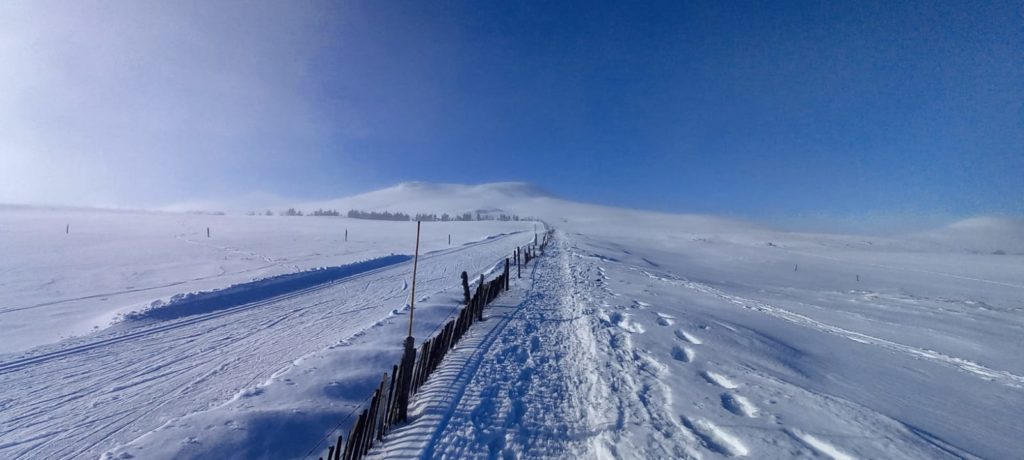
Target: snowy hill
<point>414,197</point>
<point>979,234</point>
<point>525,200</point>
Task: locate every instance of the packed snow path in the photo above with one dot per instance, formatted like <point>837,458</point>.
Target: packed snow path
<point>78,398</point>
<point>547,378</point>
<point>519,392</point>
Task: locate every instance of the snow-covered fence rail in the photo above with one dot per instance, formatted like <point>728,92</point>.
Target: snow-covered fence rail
<point>388,406</point>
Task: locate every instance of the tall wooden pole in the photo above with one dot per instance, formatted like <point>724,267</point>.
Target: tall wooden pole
<point>415,261</point>
<point>409,357</point>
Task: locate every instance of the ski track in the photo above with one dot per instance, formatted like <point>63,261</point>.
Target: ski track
<point>81,397</point>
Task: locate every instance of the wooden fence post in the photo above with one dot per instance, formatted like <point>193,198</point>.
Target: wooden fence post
<point>482,299</point>
<point>465,287</point>
<point>505,276</point>
<point>408,360</point>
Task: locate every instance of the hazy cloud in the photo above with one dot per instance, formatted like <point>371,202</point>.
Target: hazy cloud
<point>141,101</point>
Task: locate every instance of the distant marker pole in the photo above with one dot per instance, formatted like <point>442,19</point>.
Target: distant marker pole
<point>67,229</point>
<point>207,232</point>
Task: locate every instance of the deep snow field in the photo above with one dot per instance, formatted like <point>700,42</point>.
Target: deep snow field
<point>637,335</point>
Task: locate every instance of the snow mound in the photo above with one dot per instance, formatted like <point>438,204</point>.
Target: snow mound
<point>252,293</point>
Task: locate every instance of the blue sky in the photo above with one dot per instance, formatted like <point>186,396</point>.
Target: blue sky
<point>770,110</point>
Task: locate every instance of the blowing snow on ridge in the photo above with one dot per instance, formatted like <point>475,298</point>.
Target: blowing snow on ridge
<point>413,197</point>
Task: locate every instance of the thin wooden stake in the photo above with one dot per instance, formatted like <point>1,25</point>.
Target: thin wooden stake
<point>415,262</point>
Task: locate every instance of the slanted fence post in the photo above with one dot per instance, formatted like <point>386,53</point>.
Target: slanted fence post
<point>481,299</point>
<point>519,265</point>
<point>465,287</point>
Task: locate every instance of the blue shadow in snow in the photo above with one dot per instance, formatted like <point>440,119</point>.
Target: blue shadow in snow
<point>255,291</point>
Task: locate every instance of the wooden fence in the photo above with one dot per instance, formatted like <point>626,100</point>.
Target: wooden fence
<point>388,406</point>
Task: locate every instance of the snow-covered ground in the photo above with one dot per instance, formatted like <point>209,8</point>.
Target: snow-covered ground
<point>638,335</point>
<point>623,349</point>
<point>67,272</point>
<point>79,397</point>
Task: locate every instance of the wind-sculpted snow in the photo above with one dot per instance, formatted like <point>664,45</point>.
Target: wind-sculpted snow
<point>256,291</point>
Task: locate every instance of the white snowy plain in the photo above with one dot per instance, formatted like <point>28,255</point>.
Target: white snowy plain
<point>637,335</point>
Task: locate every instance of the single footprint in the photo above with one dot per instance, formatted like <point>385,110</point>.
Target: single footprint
<point>682,354</point>
<point>715,438</point>
<point>715,378</point>
<point>665,320</point>
<point>683,335</point>
<point>620,320</point>
<point>738,405</point>
<point>820,446</point>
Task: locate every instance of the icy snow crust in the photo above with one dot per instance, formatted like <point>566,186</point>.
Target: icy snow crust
<point>638,335</point>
